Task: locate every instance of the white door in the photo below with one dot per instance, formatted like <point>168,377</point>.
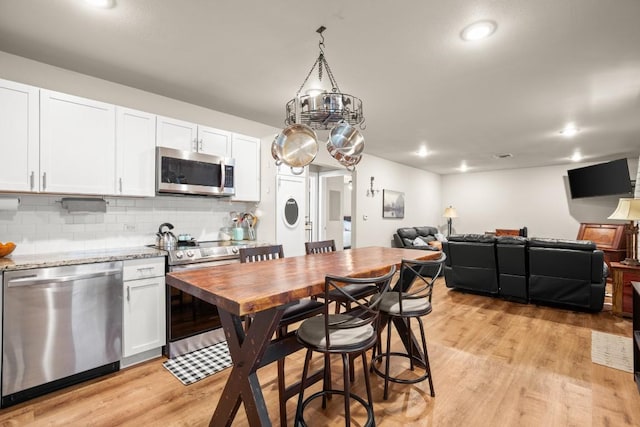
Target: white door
<point>331,221</point>
<point>77,145</point>
<point>144,315</point>
<point>19,137</point>
<point>290,205</point>
<point>135,149</point>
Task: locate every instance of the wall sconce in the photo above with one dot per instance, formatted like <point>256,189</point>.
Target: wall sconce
<point>371,192</point>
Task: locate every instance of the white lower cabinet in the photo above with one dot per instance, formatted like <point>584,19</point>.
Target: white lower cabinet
<point>144,311</point>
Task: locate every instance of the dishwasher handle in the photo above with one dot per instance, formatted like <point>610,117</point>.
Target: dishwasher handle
<point>34,280</point>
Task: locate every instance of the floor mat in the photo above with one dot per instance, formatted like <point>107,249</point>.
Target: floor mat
<point>610,350</point>
<point>199,364</point>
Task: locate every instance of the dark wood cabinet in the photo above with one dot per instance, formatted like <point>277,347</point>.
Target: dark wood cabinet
<point>623,275</point>
<point>609,238</point>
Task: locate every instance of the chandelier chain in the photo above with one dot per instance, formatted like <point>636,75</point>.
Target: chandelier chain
<point>321,62</point>
<point>334,84</point>
<point>308,75</point>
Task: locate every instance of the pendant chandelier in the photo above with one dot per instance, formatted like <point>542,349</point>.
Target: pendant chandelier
<point>319,109</point>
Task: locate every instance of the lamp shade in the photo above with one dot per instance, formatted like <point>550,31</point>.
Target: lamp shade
<point>628,210</point>
<point>450,212</point>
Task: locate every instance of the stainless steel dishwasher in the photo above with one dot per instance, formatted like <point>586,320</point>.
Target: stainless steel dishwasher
<point>61,325</point>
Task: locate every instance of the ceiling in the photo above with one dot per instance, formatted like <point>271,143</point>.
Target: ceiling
<point>549,62</point>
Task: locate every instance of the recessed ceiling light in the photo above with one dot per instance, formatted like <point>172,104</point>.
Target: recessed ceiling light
<point>569,130</point>
<point>576,157</point>
<point>422,152</point>
<point>464,167</point>
<point>478,30</point>
<point>104,4</point>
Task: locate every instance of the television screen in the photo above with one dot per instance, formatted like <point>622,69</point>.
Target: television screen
<point>603,179</point>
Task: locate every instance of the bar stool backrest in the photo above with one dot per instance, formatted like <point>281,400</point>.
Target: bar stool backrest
<point>261,253</point>
<point>320,247</point>
<point>362,312</point>
<point>417,278</point>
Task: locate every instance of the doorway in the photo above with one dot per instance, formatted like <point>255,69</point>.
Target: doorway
<point>330,201</point>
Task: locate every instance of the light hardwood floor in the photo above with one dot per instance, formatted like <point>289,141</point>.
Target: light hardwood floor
<point>495,363</point>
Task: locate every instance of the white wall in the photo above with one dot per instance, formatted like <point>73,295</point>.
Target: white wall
<point>421,193</point>
<point>537,198</point>
<point>38,74</point>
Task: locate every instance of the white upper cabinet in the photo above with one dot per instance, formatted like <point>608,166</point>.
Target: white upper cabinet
<point>246,174</point>
<point>181,135</point>
<point>77,145</point>
<point>135,153</point>
<point>19,137</point>
<point>214,141</point>
<point>176,134</point>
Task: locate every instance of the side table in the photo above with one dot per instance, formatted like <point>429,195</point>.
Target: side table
<point>623,275</point>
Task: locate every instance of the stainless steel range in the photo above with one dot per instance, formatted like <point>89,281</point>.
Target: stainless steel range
<point>192,323</point>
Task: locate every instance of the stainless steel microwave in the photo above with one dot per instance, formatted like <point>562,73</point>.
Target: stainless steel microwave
<point>185,172</point>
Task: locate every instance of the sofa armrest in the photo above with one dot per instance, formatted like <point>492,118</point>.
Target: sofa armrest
<point>398,241</point>
<point>597,266</point>
<point>445,249</point>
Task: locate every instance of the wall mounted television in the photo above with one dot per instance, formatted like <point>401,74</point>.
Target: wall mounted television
<point>603,179</point>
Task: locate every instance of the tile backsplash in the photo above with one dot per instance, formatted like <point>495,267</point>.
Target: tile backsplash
<point>42,225</point>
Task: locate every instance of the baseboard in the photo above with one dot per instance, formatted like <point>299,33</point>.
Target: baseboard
<point>141,357</point>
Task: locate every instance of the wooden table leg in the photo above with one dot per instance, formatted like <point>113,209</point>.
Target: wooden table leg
<point>246,352</point>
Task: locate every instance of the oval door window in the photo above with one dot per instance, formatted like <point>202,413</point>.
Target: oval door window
<point>291,212</point>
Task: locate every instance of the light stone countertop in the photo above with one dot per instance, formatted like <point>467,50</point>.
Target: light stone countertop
<point>23,262</point>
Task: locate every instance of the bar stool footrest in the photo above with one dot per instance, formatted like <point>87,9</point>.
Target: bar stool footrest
<point>370,417</point>
<point>380,359</point>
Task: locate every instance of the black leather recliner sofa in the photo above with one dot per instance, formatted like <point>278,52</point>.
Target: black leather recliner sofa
<point>568,272</point>
<point>471,263</point>
<point>547,271</point>
<point>511,252</point>
<point>406,236</point>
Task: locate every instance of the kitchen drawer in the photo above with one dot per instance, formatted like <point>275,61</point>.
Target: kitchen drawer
<point>143,268</point>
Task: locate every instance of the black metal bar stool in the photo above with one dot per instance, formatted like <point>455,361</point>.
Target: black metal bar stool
<point>348,334</point>
<point>356,290</point>
<point>410,298</point>
<point>293,313</point>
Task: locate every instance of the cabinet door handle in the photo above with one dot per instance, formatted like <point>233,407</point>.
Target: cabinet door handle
<point>44,181</point>
<point>200,145</point>
<point>128,293</point>
<point>195,144</point>
<point>32,179</point>
<point>120,185</point>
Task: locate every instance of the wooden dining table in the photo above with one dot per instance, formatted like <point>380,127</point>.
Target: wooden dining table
<point>262,289</point>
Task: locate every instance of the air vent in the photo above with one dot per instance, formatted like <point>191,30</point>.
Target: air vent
<point>503,156</point>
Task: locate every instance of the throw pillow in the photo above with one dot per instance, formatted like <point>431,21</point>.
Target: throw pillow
<point>419,242</point>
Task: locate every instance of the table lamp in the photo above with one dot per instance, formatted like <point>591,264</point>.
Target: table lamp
<point>629,210</point>
<point>449,213</point>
